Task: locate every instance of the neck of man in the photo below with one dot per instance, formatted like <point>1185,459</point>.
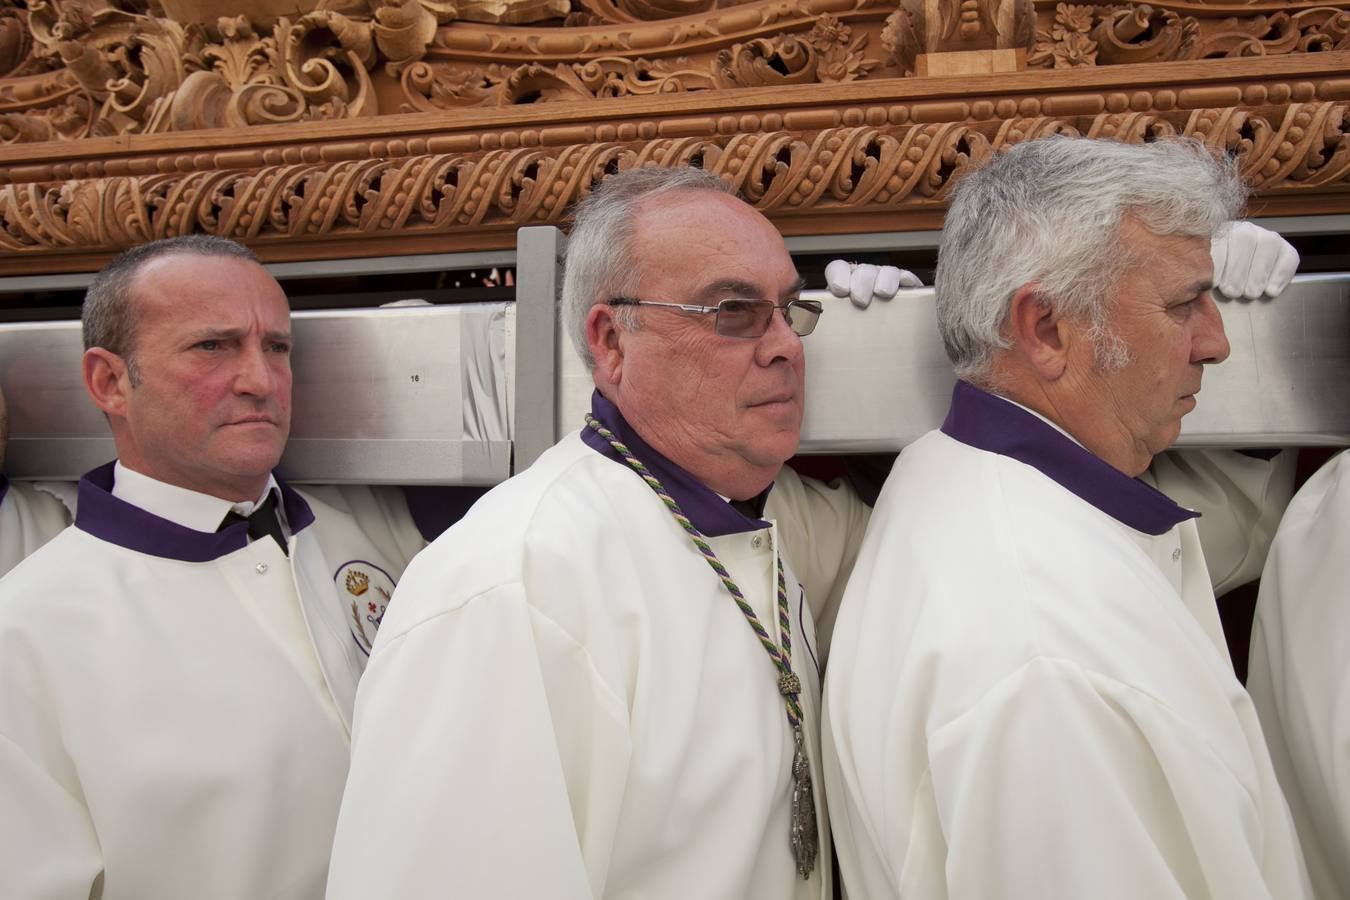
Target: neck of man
<point>241,489</point>
<point>1078,411</point>
<point>725,472</point>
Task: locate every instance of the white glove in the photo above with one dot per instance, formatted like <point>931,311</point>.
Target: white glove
<point>1251,262</point>
<point>862,282</point>
<point>400,304</point>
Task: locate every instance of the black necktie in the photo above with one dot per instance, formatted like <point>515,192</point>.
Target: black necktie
<point>262,522</point>
<point>753,508</point>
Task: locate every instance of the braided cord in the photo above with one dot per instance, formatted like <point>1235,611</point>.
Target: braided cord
<point>789,684</point>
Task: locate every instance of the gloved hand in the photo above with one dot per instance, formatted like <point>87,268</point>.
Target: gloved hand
<point>1251,262</point>
<point>862,282</point>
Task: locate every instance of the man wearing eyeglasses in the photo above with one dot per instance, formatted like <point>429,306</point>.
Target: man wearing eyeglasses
<point>604,680</point>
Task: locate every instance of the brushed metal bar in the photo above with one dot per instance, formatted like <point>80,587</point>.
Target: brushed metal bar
<point>538,280</point>
<point>872,242</point>
<point>379,397</point>
<point>316,268</point>
<point>878,378</point>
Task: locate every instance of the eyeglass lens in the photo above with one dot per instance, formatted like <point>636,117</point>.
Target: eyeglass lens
<point>751,318</point>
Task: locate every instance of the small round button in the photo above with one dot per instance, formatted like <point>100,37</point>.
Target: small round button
<point>261,568</point>
<point>756,542</point>
<point>1176,554</point>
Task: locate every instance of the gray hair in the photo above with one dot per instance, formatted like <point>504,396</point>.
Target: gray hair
<point>108,317</point>
<point>599,262</point>
<point>1050,211</point>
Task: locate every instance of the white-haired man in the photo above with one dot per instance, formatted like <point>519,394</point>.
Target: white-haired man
<point>177,669</point>
<point>1030,695</point>
<point>568,700</point>
<point>603,681</point>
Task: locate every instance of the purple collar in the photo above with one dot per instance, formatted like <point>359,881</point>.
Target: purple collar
<point>114,520</point>
<point>991,423</point>
<point>710,514</point>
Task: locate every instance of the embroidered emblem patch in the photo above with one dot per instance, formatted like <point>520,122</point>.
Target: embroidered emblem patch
<point>366,588</point>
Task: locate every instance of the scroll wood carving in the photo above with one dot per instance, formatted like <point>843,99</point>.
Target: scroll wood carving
<point>504,124</point>
<point>71,69</point>
<point>835,170</point>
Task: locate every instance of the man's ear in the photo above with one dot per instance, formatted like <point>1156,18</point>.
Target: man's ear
<point>1040,336</point>
<point>603,339</point>
<point>105,378</point>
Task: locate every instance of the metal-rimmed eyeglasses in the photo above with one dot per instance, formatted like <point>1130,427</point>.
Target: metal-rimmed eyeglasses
<point>743,318</point>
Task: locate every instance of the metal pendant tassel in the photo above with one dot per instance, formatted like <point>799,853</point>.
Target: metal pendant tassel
<point>804,835</point>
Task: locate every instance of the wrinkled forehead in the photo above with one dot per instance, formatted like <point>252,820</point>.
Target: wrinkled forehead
<point>702,244</point>
<point>1184,256</point>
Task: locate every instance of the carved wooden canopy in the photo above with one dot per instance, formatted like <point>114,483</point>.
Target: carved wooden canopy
<point>313,129</point>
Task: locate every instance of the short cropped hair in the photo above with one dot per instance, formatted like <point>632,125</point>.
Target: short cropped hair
<point>599,262</point>
<point>1050,211</point>
<point>108,317</point>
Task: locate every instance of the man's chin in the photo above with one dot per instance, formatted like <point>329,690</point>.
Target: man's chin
<point>775,451</point>
<point>251,457</point>
<point>1165,439</point>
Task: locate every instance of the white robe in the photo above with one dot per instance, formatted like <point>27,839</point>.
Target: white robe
<point>1299,676</point>
<point>174,714</point>
<point>30,516</point>
<point>1028,698</point>
<point>565,702</point>
<point>1241,499</point>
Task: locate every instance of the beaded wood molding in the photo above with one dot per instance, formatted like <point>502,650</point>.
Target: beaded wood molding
<point>370,127</point>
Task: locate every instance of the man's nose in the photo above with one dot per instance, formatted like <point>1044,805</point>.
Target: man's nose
<point>1210,343</point>
<point>255,375</point>
<point>778,342</point>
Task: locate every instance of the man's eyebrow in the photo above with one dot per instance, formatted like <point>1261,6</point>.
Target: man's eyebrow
<point>229,334</point>
<point>1196,288</point>
<point>213,334</point>
<point>736,287</point>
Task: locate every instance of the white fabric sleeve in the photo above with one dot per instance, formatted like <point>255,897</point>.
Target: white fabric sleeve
<point>821,527</point>
<point>48,849</point>
<point>1240,500</point>
<point>67,492</point>
<point>484,758</point>
<point>382,514</point>
<point>30,516</point>
<point>1063,783</point>
<point>1298,676</point>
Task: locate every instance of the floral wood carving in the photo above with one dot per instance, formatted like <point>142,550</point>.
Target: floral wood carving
<point>845,170</point>
<point>842,142</point>
<point>828,54</point>
<point>930,26</point>
<point>72,69</point>
<point>1306,31</point>
<point>1085,35</point>
<point>1110,35</point>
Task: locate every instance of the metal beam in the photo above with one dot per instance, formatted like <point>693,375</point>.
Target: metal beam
<point>538,281</point>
